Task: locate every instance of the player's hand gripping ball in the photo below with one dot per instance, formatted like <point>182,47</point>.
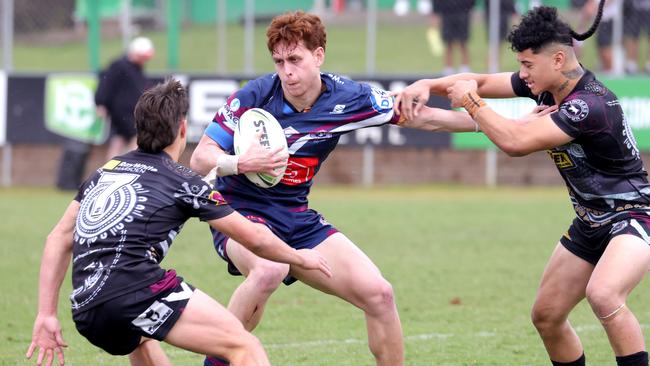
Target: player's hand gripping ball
<point>271,136</point>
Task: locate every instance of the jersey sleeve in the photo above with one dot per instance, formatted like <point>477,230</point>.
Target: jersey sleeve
<point>222,127</point>
<point>574,115</point>
<point>369,107</point>
<point>519,86</point>
<point>201,200</point>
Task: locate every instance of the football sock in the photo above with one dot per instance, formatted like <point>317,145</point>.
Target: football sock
<point>579,362</point>
<point>635,359</point>
<point>215,361</point>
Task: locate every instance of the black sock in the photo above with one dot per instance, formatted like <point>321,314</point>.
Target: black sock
<point>635,359</point>
<point>579,362</point>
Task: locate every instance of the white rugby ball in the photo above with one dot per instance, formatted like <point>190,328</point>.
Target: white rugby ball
<point>271,136</point>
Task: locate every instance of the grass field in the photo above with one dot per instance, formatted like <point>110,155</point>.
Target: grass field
<point>484,247</point>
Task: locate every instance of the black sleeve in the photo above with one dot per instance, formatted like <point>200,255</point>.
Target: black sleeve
<point>574,116</point>
<point>202,201</point>
<point>519,86</point>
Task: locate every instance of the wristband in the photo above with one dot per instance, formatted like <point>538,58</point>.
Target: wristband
<point>227,165</point>
<point>472,103</point>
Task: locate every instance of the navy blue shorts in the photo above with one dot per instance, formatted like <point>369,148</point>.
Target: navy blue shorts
<point>301,229</point>
<point>589,243</point>
<point>117,325</point>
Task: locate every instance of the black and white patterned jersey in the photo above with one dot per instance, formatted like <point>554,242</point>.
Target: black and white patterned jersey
<point>131,210</point>
<point>601,167</point>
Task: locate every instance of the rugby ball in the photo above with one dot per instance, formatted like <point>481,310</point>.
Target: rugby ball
<point>271,136</point>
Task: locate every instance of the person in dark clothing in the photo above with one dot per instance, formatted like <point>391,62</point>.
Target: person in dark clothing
<point>118,229</point>
<point>120,86</point>
<point>455,30</point>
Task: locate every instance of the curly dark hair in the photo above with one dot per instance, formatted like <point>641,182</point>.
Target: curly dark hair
<point>541,26</point>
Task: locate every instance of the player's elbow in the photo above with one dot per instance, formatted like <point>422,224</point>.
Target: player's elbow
<point>514,148</point>
<point>199,162</point>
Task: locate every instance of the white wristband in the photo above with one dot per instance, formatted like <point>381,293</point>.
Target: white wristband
<point>227,165</point>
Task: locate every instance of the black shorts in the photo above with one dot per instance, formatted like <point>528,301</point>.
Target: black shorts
<point>635,21</point>
<point>122,127</point>
<point>605,33</point>
<point>589,243</point>
<point>117,325</point>
<point>455,27</point>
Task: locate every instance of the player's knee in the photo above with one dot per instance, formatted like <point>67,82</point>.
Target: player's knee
<point>546,318</point>
<point>268,276</point>
<point>245,345</point>
<point>603,299</point>
<point>381,297</point>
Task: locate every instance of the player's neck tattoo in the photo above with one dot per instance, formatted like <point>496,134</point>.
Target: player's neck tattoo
<point>563,86</point>
<point>574,73</point>
<point>570,75</point>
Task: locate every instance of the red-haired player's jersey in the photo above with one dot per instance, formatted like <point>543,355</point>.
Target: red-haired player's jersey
<point>343,106</point>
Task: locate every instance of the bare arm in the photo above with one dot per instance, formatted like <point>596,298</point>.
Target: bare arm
<point>260,240</point>
<point>46,335</point>
<point>409,102</point>
<point>514,137</point>
<point>437,120</point>
<point>255,159</point>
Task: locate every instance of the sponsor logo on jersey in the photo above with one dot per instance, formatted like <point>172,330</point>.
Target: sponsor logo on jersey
<point>111,164</point>
<point>576,109</point>
<point>234,104</point>
<point>338,109</point>
<point>381,100</point>
<point>299,170</point>
<point>217,198</point>
<point>561,159</point>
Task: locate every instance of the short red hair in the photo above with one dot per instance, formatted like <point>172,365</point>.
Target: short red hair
<point>292,27</point>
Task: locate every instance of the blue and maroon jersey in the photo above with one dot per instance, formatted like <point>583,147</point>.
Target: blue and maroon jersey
<point>601,167</point>
<point>131,210</point>
<point>343,106</point>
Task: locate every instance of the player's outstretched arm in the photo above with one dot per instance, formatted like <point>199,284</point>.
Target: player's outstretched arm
<point>260,240</point>
<point>519,137</point>
<point>410,101</point>
<point>438,120</point>
<point>46,336</point>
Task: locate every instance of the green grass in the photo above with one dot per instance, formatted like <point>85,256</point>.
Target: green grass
<point>401,49</point>
<point>486,247</point>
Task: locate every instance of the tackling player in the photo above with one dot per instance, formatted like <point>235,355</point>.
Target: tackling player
<point>605,252</point>
<point>119,228</point>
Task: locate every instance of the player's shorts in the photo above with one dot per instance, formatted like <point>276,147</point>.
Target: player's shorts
<point>117,325</point>
<point>589,243</point>
<point>301,229</point>
<point>635,21</point>
<point>455,27</point>
<point>605,33</point>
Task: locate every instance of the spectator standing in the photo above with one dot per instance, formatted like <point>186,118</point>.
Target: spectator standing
<point>637,18</point>
<point>454,16</point>
<point>120,86</point>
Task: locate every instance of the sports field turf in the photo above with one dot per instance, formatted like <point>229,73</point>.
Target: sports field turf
<point>464,263</point>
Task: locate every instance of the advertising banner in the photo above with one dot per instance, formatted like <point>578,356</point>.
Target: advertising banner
<point>70,108</point>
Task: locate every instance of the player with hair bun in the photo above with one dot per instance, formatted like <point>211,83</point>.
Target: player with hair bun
<point>605,252</point>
